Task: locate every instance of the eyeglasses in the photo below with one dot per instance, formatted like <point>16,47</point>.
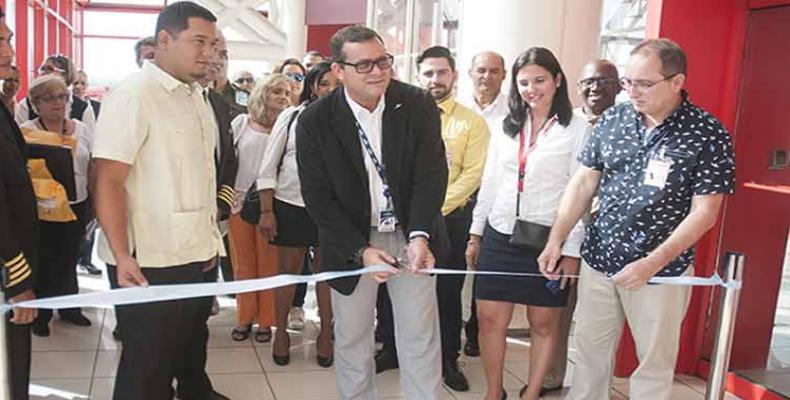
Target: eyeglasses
<point>366,66</point>
<point>63,97</point>
<point>600,81</point>
<point>643,84</point>
<point>296,77</point>
<point>242,81</point>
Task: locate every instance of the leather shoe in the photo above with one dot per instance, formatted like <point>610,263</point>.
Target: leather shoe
<point>385,360</point>
<point>543,391</point>
<point>76,319</point>
<point>90,269</point>
<point>217,396</point>
<point>40,328</point>
<point>454,377</point>
<point>472,348</point>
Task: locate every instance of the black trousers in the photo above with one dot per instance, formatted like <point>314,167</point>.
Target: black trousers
<point>448,287</point>
<point>161,340</point>
<point>193,382</point>
<point>58,251</point>
<point>18,352</point>
<point>385,323</point>
<point>225,263</point>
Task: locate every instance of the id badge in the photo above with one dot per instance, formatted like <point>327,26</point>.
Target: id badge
<point>387,221</point>
<point>657,172</point>
<point>242,97</point>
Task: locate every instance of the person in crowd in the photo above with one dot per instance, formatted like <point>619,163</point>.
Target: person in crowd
<point>532,159</point>
<point>311,58</point>
<point>244,80</point>
<point>465,136</point>
<point>598,87</point>
<point>84,257</point>
<point>144,49</point>
<point>487,73</point>
<point>295,71</point>
<point>10,88</point>
<point>76,108</point>
<point>253,256</point>
<point>663,166</point>
<point>60,241</point>
<point>237,98</point>
<point>372,168</point>
<point>156,201</point>
<point>18,234</point>
<point>284,220</point>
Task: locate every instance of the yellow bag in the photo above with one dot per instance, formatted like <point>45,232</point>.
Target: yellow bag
<point>37,136</point>
<point>53,203</point>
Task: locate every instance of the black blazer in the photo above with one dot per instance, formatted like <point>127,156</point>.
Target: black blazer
<point>334,179</point>
<point>228,163</point>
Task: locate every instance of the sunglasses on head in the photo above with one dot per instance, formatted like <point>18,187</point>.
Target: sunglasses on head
<point>297,77</point>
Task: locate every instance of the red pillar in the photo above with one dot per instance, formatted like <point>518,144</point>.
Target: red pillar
<point>21,46</point>
<point>39,45</point>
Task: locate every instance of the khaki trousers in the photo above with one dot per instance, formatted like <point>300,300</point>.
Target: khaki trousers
<point>654,314</point>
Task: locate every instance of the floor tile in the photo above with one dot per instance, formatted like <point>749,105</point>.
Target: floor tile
<point>243,386</point>
<point>232,360</point>
<point>66,337</point>
<point>52,389</point>
<point>101,389</point>
<point>305,385</point>
<point>62,364</point>
<point>107,363</point>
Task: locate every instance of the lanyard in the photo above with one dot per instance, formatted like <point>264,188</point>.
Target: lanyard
<point>523,156</point>
<point>379,167</point>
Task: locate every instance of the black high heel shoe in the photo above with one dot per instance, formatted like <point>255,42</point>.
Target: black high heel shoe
<point>285,359</point>
<point>504,395</point>
<point>324,362</point>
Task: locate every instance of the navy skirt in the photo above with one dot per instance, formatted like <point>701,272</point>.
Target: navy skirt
<point>497,254</point>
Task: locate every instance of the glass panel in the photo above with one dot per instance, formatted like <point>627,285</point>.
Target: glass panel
<point>437,24</point>
<point>135,25</point>
<point>390,23</point>
<point>109,61</point>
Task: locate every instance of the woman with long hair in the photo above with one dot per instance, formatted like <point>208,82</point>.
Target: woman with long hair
<point>251,254</point>
<point>532,158</point>
<point>284,219</point>
<point>296,72</point>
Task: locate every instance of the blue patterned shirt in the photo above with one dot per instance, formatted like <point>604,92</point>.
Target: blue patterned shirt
<point>636,215</point>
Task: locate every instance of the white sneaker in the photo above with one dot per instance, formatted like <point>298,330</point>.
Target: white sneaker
<point>296,319</point>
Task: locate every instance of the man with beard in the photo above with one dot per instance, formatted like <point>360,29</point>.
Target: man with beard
<point>465,137</point>
<point>598,88</point>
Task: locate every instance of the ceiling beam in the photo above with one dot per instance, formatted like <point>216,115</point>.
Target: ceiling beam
<point>255,51</point>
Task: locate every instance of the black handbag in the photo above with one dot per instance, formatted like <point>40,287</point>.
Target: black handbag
<point>527,235</point>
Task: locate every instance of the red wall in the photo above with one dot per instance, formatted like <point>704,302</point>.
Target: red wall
<point>318,37</point>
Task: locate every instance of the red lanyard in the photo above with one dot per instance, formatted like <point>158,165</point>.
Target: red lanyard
<point>524,155</point>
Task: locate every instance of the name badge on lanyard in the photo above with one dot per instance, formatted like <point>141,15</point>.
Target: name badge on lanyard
<point>388,222</point>
<point>657,170</point>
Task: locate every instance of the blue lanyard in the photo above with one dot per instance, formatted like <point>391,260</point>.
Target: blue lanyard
<point>379,168</point>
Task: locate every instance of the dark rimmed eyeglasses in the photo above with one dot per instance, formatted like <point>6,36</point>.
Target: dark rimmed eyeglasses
<point>384,63</point>
<point>599,81</point>
<point>644,84</point>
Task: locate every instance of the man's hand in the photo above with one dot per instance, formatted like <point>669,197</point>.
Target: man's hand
<point>129,273</point>
<point>267,225</point>
<point>570,270</point>
<point>23,316</point>
<point>211,264</point>
<point>636,274</point>
<point>420,255</point>
<point>472,251</point>
<point>548,260</point>
<point>374,256</point>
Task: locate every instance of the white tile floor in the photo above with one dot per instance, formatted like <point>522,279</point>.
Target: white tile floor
<point>79,363</point>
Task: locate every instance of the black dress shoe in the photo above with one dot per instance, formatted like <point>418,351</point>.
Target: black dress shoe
<point>325,362</point>
<point>76,319</point>
<point>543,391</point>
<point>454,377</point>
<point>472,348</point>
<point>40,328</point>
<point>385,360</point>
<point>90,269</point>
<point>504,395</point>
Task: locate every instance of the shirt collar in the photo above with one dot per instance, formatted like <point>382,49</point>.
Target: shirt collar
<point>361,112</point>
<point>682,109</point>
<point>169,82</point>
<point>448,105</point>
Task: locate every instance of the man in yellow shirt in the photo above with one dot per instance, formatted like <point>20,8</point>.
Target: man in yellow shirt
<point>465,135</point>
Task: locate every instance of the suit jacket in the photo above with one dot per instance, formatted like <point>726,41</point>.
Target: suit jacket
<point>228,163</point>
<point>334,179</point>
<point>96,106</point>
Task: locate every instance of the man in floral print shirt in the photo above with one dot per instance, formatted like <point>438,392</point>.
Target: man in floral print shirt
<point>663,166</point>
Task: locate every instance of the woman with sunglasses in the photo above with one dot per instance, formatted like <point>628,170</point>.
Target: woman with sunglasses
<point>295,71</point>
<point>76,108</point>
<point>284,219</point>
<point>531,159</point>
<point>59,241</point>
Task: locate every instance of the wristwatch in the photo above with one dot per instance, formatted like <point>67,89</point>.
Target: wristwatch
<point>357,258</point>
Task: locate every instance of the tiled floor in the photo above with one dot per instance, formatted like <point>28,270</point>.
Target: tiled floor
<point>79,363</point>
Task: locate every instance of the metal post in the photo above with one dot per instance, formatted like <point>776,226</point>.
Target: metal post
<point>5,370</point>
<point>720,361</point>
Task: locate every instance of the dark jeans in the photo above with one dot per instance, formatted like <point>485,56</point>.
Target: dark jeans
<point>18,352</point>
<point>162,340</point>
<point>448,287</point>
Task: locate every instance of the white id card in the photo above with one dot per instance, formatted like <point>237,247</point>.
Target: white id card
<point>657,172</point>
<point>387,221</point>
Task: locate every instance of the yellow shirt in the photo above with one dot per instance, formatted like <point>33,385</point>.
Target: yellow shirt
<point>465,137</point>
<point>165,130</point>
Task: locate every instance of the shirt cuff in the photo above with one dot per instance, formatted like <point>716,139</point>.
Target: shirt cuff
<point>414,234</point>
<point>266,183</point>
<point>477,227</point>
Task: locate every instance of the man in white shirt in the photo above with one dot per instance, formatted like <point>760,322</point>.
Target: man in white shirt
<point>598,87</point>
<point>156,203</point>
<point>373,173</point>
<point>487,73</point>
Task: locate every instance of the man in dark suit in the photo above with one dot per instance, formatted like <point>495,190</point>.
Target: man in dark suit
<point>373,173</point>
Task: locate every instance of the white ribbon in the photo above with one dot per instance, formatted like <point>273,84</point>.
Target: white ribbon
<point>138,295</point>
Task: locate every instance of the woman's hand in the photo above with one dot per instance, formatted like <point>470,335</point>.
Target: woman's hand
<point>472,251</point>
<point>267,225</point>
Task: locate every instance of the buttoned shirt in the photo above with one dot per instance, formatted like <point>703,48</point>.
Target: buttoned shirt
<point>164,130</point>
<point>636,213</point>
<point>465,137</point>
<point>549,168</point>
<point>283,178</point>
<point>493,113</point>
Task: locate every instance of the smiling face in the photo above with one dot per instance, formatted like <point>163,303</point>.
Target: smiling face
<point>537,87</point>
<point>364,88</point>
<point>598,86</point>
<point>278,96</point>
<point>189,54</point>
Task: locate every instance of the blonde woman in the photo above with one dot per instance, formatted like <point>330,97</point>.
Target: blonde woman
<point>251,254</point>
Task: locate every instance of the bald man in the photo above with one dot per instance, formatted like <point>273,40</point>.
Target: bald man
<point>487,73</point>
<point>598,87</point>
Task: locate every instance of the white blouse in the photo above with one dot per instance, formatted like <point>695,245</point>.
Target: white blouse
<point>84,137</point>
<point>549,168</point>
<point>282,145</point>
<point>251,146</point>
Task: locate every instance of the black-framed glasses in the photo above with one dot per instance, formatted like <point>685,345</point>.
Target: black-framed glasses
<point>599,81</point>
<point>63,98</point>
<point>384,63</point>
<point>242,81</point>
<point>643,84</point>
